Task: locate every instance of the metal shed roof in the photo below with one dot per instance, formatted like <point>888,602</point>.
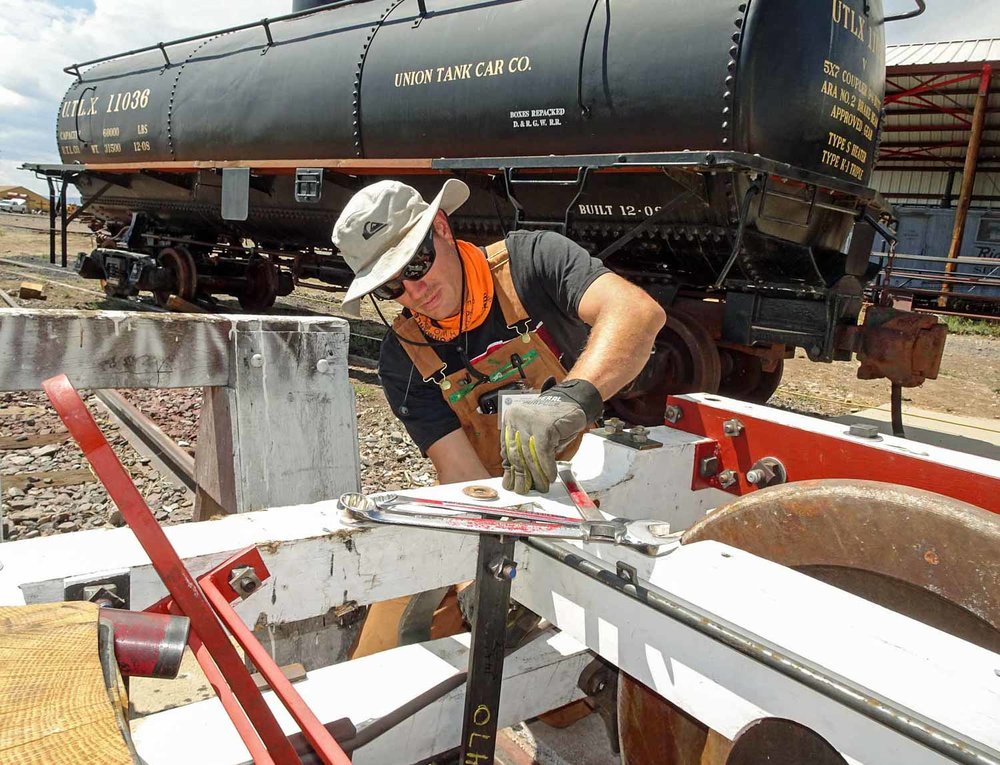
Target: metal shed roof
<point>929,101</point>
<point>951,55</point>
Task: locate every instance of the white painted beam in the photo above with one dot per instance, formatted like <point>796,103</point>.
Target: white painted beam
<point>538,677</point>
<point>914,666</point>
<point>124,349</point>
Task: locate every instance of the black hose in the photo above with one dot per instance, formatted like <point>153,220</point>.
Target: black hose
<point>897,410</point>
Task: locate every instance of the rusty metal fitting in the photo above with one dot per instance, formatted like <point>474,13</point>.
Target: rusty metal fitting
<point>728,478</point>
<point>733,428</point>
<point>901,346</point>
<point>244,580</point>
<point>673,414</point>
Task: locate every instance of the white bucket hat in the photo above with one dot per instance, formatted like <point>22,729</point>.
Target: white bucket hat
<point>381,228</point>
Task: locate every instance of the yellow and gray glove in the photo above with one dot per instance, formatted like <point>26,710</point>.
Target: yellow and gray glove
<point>535,430</point>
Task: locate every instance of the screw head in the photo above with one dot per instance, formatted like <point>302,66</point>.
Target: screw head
<point>256,360</point>
<point>323,366</point>
<point>708,466</point>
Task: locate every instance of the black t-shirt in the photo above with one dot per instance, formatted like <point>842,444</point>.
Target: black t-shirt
<point>550,274</point>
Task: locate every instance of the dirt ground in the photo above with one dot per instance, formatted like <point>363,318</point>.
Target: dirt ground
<point>969,383</point>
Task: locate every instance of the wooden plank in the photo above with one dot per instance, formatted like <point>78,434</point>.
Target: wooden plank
<point>56,706</point>
<point>121,349</point>
<point>21,411</point>
<point>10,443</point>
<point>292,414</point>
<point>49,478</point>
<point>293,673</point>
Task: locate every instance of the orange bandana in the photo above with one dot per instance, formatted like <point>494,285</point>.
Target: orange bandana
<point>478,298</point>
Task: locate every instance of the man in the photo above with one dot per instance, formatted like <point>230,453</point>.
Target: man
<point>480,323</point>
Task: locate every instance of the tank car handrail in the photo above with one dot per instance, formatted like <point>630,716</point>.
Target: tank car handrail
<point>921,7</point>
<point>265,23</point>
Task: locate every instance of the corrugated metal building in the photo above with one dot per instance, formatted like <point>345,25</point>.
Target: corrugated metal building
<point>931,91</point>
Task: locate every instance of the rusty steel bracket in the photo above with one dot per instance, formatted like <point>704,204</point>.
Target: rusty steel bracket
<point>904,347</point>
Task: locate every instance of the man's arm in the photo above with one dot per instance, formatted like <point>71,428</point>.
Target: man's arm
<point>455,459</point>
<point>624,321</point>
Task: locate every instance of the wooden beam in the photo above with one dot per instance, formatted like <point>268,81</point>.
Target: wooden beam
<point>282,414</point>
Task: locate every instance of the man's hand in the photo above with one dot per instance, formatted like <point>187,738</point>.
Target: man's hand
<point>534,431</point>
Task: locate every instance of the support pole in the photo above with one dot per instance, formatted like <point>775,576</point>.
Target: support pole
<point>62,213</point>
<point>968,179</point>
<point>52,221</point>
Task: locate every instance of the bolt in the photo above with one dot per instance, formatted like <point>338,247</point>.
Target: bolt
<point>708,466</point>
<point>639,434</point>
<point>244,580</point>
<point>673,414</point>
<point>727,478</point>
<point>503,568</point>
<point>756,476</point>
<point>613,426</point>
<point>862,430</point>
<point>732,428</point>
<point>256,360</point>
<point>323,366</point>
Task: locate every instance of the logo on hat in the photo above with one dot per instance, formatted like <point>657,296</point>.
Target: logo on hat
<point>371,228</point>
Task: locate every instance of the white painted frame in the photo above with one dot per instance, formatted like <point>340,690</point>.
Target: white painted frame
<point>280,428</point>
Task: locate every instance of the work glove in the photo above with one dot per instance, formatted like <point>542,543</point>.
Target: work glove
<point>535,430</point>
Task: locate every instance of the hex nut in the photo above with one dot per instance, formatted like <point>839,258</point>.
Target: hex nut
<point>673,414</point>
<point>244,580</point>
<point>613,425</point>
<point>732,428</point>
<point>727,478</point>
<point>639,434</point>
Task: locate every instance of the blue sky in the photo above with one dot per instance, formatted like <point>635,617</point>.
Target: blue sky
<point>39,37</point>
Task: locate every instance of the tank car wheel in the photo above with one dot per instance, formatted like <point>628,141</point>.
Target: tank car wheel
<point>742,373</point>
<point>689,363</point>
<point>745,379</point>
<point>261,286</point>
<point>179,261</point>
<point>903,548</point>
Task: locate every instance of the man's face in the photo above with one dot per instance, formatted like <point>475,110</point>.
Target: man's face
<point>438,294</point>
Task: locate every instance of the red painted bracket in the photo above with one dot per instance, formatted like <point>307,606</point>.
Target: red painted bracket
<point>808,455</point>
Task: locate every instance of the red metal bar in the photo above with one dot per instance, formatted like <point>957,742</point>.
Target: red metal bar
<point>245,729</point>
<point>220,594</point>
<point>930,85</point>
<point>807,455</point>
<point>167,563</point>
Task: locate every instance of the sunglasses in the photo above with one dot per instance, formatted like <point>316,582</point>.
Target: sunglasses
<point>413,271</point>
